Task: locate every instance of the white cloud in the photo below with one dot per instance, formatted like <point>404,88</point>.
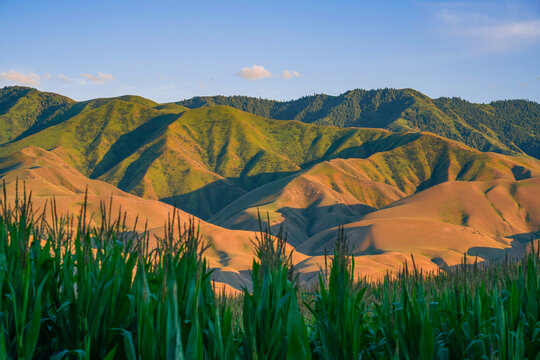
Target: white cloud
<point>203,86</point>
<point>256,72</point>
<point>20,78</point>
<point>524,30</point>
<point>286,74</point>
<point>489,34</point>
<point>100,78</point>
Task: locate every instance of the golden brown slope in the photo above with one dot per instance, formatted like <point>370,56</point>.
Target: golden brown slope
<point>436,225</point>
<point>45,174</point>
<point>440,224</point>
<point>340,191</point>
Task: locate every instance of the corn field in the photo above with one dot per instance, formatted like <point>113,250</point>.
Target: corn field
<point>69,290</point>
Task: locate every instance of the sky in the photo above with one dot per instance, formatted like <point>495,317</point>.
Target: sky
<point>172,50</point>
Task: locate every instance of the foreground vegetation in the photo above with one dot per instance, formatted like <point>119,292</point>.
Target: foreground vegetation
<point>71,290</point>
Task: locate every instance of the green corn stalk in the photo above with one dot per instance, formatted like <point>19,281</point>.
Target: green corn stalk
<point>69,289</point>
<point>341,317</point>
<point>273,327</point>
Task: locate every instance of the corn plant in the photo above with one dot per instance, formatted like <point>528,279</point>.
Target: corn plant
<point>76,287</point>
<point>341,329</point>
<point>273,327</point>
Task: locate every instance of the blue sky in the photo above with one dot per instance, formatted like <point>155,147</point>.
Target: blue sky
<point>171,50</point>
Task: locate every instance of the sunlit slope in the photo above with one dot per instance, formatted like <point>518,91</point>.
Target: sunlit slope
<point>86,136</point>
<point>22,109</point>
<point>436,225</point>
<point>45,175</point>
<point>339,191</point>
<point>205,158</point>
<point>480,214</point>
<point>501,126</point>
<point>440,224</point>
<point>210,157</point>
<point>200,159</point>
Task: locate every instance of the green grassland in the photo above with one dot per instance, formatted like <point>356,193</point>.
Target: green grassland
<point>71,291</point>
<point>203,158</point>
<point>23,108</point>
<point>502,126</point>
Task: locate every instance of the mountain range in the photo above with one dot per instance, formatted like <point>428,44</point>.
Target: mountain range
<point>501,126</point>
<point>403,173</point>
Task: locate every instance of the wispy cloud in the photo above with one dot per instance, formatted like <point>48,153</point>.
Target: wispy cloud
<point>497,32</point>
<point>100,78</point>
<point>287,74</point>
<point>255,72</point>
<point>21,78</point>
<point>511,31</point>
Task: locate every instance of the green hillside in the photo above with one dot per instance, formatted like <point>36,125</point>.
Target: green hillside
<point>514,121</point>
<point>24,108</point>
<point>502,126</point>
<point>204,158</point>
<point>361,108</point>
<point>200,159</point>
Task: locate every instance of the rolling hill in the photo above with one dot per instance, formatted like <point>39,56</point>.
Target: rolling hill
<point>45,175</point>
<point>22,109</point>
<point>338,191</point>
<point>199,159</point>
<point>396,193</point>
<point>501,126</point>
<point>484,219</point>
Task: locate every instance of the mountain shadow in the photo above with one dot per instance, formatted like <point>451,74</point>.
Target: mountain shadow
<point>130,143</point>
<point>519,247</point>
<point>213,197</point>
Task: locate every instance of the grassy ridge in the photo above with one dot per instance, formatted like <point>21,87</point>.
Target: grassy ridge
<point>203,159</point>
<point>70,291</point>
<point>23,108</point>
<point>502,126</point>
